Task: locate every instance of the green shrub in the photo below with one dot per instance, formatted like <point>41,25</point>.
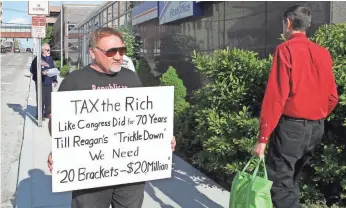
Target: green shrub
<point>329,165</point>
<point>145,75</point>
<point>321,204</point>
<point>129,39</point>
<point>217,132</point>
<point>170,78</point>
<point>224,113</point>
<point>64,71</point>
<point>57,64</point>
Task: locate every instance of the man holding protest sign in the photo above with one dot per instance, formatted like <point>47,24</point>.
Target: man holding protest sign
<point>105,72</point>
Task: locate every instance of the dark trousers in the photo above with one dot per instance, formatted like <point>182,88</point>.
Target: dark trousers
<point>121,196</point>
<point>291,147</point>
<point>46,99</point>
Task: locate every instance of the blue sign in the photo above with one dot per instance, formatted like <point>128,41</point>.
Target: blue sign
<point>170,11</point>
<point>145,11</point>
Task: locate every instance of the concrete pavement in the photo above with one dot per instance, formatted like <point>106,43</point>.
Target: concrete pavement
<point>187,188</point>
<point>14,94</point>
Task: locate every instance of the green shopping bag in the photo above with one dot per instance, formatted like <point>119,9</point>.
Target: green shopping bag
<point>251,191</point>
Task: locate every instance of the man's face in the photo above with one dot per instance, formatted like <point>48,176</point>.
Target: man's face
<point>46,50</point>
<point>112,60</point>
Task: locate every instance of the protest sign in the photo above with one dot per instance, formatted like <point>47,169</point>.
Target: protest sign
<point>110,137</point>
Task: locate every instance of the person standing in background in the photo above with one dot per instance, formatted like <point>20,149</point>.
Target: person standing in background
<point>128,64</point>
<point>301,93</point>
<point>47,82</point>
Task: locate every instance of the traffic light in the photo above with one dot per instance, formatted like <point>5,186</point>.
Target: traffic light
<point>138,45</point>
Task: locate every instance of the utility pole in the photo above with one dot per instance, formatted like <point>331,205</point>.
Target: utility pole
<point>39,11</point>
<point>39,82</point>
<point>61,35</point>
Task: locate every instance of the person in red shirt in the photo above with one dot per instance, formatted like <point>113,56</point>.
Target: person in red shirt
<point>301,92</point>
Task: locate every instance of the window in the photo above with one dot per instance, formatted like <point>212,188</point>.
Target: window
<point>70,26</point>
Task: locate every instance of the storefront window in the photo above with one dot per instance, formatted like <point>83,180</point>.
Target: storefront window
<point>104,13</point>
<point>115,9</point>
<point>122,20</point>
<point>122,5</point>
<point>115,23</point>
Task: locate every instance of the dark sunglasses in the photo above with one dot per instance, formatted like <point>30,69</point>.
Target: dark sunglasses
<point>112,51</point>
<point>47,50</point>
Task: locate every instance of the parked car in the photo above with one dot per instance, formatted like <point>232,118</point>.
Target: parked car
<point>16,50</point>
<point>29,50</point>
<point>3,49</point>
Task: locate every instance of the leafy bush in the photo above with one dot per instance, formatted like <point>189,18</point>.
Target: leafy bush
<point>224,113</point>
<point>57,64</point>
<point>329,168</point>
<point>217,132</point>
<point>129,39</point>
<point>321,204</point>
<point>170,78</point>
<point>145,75</point>
<point>64,71</point>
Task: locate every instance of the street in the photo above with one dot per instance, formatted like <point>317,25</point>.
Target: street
<point>26,180</point>
<point>14,94</point>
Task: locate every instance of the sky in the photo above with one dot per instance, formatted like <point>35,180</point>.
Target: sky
<point>17,12</point>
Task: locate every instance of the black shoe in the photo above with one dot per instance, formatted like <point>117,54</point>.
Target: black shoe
<point>43,118</point>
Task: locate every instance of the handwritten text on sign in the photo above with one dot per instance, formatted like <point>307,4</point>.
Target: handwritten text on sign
<point>110,137</point>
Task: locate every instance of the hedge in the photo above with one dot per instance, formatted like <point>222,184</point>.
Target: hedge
<point>217,132</point>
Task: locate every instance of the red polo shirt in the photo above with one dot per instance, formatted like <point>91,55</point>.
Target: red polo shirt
<point>301,84</point>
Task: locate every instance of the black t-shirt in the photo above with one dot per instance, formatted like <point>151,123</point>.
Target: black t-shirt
<point>88,78</point>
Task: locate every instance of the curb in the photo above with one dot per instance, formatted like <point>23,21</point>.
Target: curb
<point>25,158</point>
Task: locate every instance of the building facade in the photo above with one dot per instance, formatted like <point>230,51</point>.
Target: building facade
<point>110,14</point>
<point>171,31</point>
<point>54,12</point>
<point>70,15</point>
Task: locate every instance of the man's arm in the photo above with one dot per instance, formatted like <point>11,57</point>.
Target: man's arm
<point>333,97</point>
<point>132,66</point>
<point>64,86</point>
<point>33,67</point>
<point>53,66</point>
<point>276,93</point>
<point>50,125</point>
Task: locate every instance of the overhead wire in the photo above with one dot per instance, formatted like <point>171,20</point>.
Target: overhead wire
<point>14,10</point>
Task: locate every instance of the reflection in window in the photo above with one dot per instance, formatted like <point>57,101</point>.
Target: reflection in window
<point>122,5</point>
<point>122,20</point>
<point>115,23</point>
<point>104,13</point>
<point>115,9</point>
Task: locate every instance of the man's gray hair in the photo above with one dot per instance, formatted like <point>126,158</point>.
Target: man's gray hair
<point>44,44</point>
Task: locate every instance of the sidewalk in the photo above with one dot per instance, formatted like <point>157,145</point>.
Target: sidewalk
<point>187,188</point>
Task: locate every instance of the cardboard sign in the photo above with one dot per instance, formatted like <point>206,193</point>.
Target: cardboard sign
<point>110,137</point>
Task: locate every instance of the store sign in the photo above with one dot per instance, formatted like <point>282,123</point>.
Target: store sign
<point>144,12</point>
<point>38,8</point>
<point>38,27</point>
<point>170,11</point>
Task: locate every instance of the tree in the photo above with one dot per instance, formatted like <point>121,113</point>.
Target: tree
<point>16,44</point>
<point>49,35</point>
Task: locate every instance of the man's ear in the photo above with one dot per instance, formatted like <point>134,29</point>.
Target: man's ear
<point>91,52</point>
<point>289,23</point>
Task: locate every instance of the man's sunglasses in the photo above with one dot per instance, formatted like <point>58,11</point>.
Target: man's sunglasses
<point>112,51</point>
<point>47,50</point>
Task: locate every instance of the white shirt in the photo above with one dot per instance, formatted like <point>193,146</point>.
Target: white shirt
<point>127,63</point>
